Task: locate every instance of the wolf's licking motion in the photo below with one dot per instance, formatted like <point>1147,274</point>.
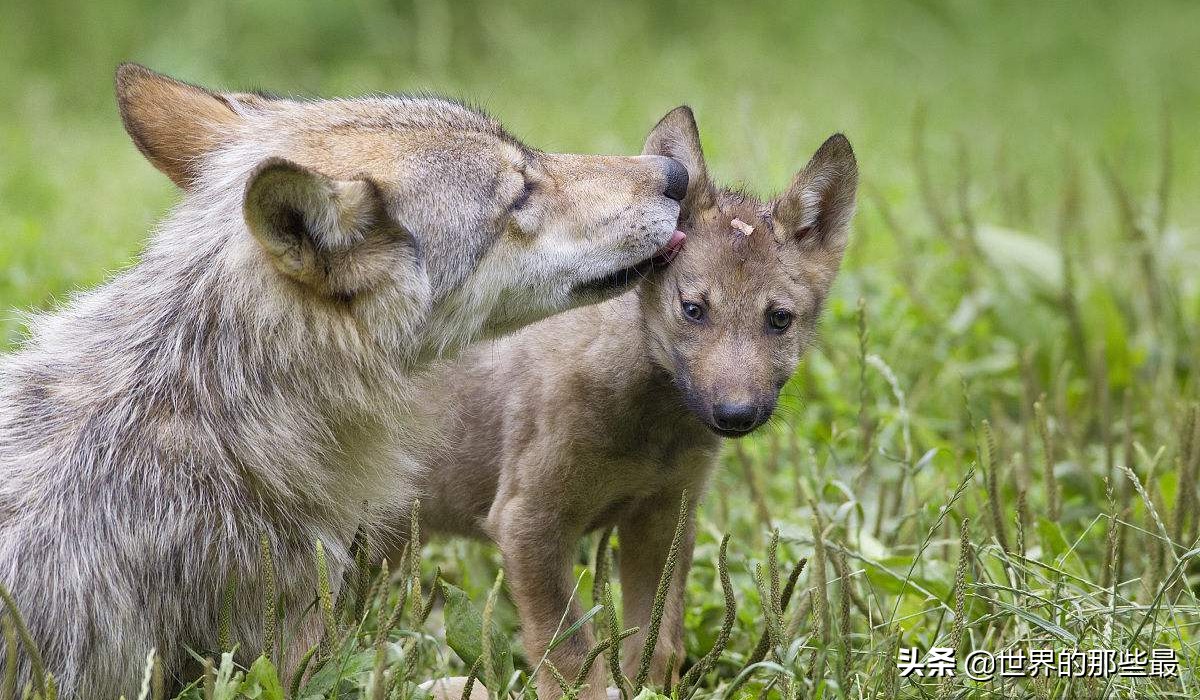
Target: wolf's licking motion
<point>238,388</point>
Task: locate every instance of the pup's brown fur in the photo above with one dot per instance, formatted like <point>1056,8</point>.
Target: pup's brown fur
<point>605,415</point>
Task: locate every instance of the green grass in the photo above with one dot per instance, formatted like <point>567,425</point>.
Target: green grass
<point>1024,256</point>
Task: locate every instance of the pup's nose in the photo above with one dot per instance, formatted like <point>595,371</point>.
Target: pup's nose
<point>738,417</point>
<point>677,180</point>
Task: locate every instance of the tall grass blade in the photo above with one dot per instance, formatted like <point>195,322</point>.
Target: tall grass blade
<point>660,594</point>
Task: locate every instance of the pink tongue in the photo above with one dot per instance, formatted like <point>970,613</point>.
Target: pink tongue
<point>673,246</point>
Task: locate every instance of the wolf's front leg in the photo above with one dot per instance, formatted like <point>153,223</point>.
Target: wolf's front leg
<point>537,560</point>
<point>645,537</point>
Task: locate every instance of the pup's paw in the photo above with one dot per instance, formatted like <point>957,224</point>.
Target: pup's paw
<point>451,688</point>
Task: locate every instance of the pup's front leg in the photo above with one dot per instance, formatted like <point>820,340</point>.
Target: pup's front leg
<point>537,552</point>
<point>645,537</point>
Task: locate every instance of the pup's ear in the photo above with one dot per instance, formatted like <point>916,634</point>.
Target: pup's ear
<point>173,124</point>
<point>318,231</point>
<point>676,136</point>
<point>817,207</point>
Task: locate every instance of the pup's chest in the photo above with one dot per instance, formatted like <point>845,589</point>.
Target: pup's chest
<point>623,483</point>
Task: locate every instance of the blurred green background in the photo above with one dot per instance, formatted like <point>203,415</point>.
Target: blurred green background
<point>1021,84</point>
<point>1026,233</point>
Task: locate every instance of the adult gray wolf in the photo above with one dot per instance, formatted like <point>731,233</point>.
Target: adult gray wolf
<point>606,415</point>
<point>240,382</point>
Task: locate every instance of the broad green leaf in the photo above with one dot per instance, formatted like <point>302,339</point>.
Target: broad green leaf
<point>648,694</point>
<point>263,681</point>
<point>464,627</point>
<point>229,681</point>
<point>1055,542</point>
<point>1102,312</point>
<point>337,669</point>
<point>1052,536</point>
<point>1019,252</point>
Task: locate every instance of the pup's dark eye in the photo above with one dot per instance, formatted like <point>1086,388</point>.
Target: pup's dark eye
<point>693,311</point>
<point>779,320</point>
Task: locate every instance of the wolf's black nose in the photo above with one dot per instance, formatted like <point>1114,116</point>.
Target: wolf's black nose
<point>677,180</point>
<point>738,417</point>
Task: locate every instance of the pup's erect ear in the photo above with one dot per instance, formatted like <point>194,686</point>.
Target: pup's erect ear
<point>676,136</point>
<point>173,124</point>
<point>312,226</point>
<point>817,207</point>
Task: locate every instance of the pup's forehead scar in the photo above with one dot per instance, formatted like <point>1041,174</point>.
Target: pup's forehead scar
<point>742,227</point>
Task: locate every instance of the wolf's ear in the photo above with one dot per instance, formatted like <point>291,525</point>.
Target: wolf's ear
<point>676,136</point>
<point>173,124</point>
<point>817,207</point>
<point>314,227</point>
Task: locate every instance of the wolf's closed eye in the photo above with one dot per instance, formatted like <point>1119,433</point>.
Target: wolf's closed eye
<point>523,198</point>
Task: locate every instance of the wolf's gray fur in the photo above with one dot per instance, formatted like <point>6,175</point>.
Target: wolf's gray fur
<point>241,380</point>
<point>605,415</point>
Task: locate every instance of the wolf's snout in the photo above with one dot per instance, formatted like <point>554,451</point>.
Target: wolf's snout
<point>677,180</point>
<point>735,417</point>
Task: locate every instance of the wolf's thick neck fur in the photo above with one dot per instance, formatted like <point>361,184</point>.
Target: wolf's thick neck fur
<point>200,345</point>
<point>168,421</point>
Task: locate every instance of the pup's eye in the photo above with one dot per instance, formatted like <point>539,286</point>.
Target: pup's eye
<point>779,320</point>
<point>693,311</point>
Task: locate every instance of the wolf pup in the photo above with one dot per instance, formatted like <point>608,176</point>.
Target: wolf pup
<point>236,389</point>
<point>605,415</point>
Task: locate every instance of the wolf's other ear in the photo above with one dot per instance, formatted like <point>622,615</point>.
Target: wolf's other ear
<point>174,124</point>
<point>313,226</point>
<point>817,207</point>
<point>676,136</point>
